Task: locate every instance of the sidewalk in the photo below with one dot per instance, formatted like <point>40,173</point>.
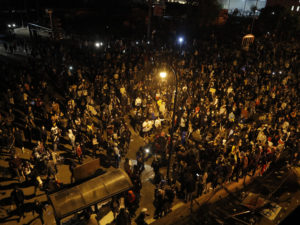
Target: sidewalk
<point>182,213</point>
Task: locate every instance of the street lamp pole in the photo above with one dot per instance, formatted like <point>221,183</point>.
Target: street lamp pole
<point>254,17</point>
<point>172,127</point>
<point>245,7</point>
<point>50,11</point>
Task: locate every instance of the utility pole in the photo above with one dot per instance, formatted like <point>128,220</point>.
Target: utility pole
<point>244,7</point>
<point>254,17</point>
<point>49,11</point>
<point>169,179</point>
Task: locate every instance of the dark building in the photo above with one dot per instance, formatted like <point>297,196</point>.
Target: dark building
<point>293,5</point>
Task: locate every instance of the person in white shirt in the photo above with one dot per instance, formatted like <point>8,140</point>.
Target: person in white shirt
<point>71,138</point>
<point>123,91</point>
<point>55,133</point>
<point>147,126</point>
<point>157,123</point>
<point>138,102</point>
<point>117,155</point>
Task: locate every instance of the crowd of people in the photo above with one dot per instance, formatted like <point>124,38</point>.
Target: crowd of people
<point>236,112</point>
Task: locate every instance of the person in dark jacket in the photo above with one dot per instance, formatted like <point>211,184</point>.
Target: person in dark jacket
<point>140,220</point>
<point>190,186</point>
<point>17,197</point>
<point>169,198</point>
<point>158,203</point>
<point>123,218</point>
<point>114,206</point>
<point>18,139</point>
<point>39,209</point>
<point>16,165</point>
<point>43,135</point>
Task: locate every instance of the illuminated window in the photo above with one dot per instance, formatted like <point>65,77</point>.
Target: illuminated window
<point>292,9</point>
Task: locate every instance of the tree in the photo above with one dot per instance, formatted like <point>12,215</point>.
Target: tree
<point>202,12</point>
<point>280,20</point>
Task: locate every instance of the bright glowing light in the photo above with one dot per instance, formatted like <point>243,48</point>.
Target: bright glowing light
<point>137,42</point>
<point>148,42</point>
<point>147,150</point>
<point>8,25</point>
<point>14,25</point>
<point>273,73</point>
<point>163,74</point>
<point>98,44</point>
<point>70,67</point>
<point>273,13</point>
<point>280,72</point>
<point>180,40</point>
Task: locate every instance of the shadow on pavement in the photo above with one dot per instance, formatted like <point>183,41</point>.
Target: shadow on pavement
<point>2,179</point>
<point>31,221</point>
<point>24,184</point>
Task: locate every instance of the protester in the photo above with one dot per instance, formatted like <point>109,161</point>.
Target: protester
<point>236,111</point>
<point>140,220</point>
<point>17,197</point>
<point>123,218</point>
<point>39,209</point>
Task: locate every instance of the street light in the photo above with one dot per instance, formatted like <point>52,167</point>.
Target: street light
<point>180,40</point>
<point>98,44</point>
<point>163,74</point>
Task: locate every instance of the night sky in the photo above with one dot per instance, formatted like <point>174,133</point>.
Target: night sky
<point>23,4</point>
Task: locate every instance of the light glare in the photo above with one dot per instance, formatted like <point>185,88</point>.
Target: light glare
<point>163,74</point>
